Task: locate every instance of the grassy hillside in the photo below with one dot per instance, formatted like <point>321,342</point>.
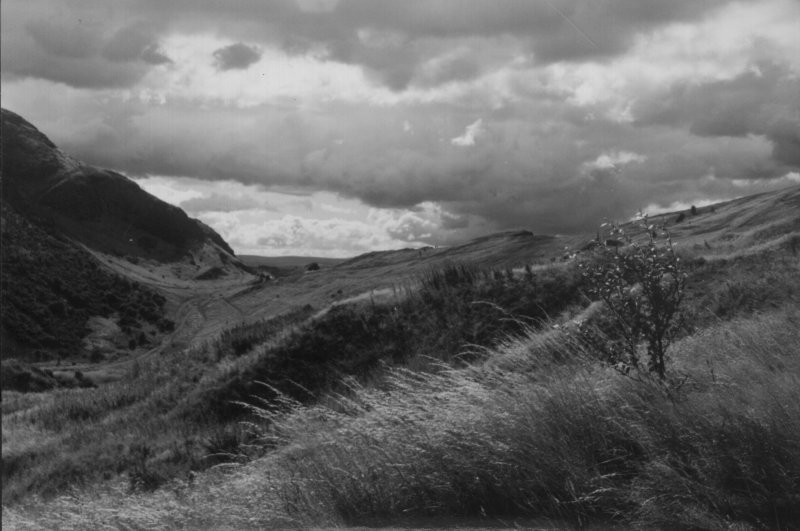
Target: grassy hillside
<point>192,399</point>
<point>51,288</point>
<point>100,208</point>
<point>461,391</point>
<point>538,430</point>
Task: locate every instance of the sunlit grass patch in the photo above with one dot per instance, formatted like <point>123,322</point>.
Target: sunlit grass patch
<point>720,442</point>
<point>539,429</point>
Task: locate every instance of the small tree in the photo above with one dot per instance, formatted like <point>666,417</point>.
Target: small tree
<point>642,285</point>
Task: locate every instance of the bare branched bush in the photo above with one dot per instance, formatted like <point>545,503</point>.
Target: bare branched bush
<point>642,286</point>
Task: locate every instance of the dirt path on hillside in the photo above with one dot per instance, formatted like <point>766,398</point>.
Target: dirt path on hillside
<point>199,309</point>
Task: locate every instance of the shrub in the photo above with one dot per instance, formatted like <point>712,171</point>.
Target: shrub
<point>643,288</point>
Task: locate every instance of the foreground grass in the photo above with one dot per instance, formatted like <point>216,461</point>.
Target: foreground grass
<point>538,429</point>
<point>173,412</point>
<point>180,412</point>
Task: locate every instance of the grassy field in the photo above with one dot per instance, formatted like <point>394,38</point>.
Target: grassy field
<point>539,429</point>
<point>405,388</point>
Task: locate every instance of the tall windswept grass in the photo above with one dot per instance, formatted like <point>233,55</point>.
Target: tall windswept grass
<point>542,430</point>
<point>538,429</point>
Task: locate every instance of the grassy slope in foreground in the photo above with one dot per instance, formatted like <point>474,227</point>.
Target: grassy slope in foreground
<point>315,436</point>
<point>539,429</point>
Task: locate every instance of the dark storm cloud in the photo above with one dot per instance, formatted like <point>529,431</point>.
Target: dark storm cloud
<point>408,34</point>
<point>237,56</point>
<point>541,160</point>
<point>62,39</point>
<point>152,55</point>
<point>82,44</point>
<point>93,72</point>
<point>133,43</point>
<point>397,43</point>
<point>127,44</point>
<point>763,101</point>
<point>530,167</point>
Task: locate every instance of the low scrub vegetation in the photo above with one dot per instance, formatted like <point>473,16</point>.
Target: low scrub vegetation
<point>51,289</point>
<point>642,288</point>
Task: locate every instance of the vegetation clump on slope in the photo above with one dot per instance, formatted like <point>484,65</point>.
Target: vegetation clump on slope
<point>51,288</point>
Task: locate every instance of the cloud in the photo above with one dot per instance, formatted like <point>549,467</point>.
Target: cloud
<point>73,44</point>
<point>135,42</point>
<point>471,133</point>
<point>237,56</point>
<point>613,160</point>
<point>317,6</point>
<point>62,39</point>
<point>296,235</point>
<point>151,54</point>
<point>127,44</point>
<point>398,44</point>
<point>587,110</point>
<point>760,101</point>
<point>539,165</point>
<point>220,203</point>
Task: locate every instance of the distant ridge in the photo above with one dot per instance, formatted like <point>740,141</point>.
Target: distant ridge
<point>287,261</point>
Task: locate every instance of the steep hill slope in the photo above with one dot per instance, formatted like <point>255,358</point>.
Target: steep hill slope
<point>52,288</point>
<point>73,239</point>
<point>97,207</point>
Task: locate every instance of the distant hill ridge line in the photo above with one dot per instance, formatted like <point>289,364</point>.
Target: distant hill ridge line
<point>98,207</point>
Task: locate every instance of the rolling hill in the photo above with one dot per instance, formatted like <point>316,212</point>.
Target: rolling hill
<point>60,218</point>
<point>99,208</point>
<point>436,382</point>
<point>432,368</point>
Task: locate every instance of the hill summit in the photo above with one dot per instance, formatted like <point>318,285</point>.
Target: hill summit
<point>99,208</point>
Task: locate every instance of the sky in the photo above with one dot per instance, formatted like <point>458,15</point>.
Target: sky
<point>337,127</point>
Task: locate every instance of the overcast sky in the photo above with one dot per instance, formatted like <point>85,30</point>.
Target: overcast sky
<point>335,127</point>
